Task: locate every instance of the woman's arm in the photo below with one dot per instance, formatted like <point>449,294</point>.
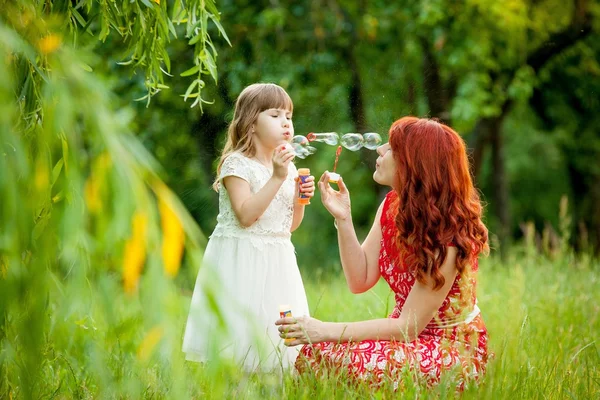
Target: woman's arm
<point>419,309</point>
<point>360,262</point>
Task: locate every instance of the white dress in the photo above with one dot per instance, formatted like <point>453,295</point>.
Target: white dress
<point>246,274</point>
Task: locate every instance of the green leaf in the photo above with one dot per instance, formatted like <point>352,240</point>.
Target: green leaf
<point>89,22</point>
<point>147,3</point>
<point>220,28</point>
<point>58,197</point>
<point>141,98</point>
<point>85,67</point>
<point>172,28</point>
<point>65,152</point>
<point>189,89</point>
<point>195,39</point>
<point>191,71</point>
<point>166,58</point>
<point>41,222</point>
<point>56,171</point>
<point>210,64</point>
<point>178,13</point>
<point>78,17</point>
<point>210,6</point>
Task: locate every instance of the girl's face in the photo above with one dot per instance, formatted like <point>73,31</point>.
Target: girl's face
<point>385,170</point>
<point>273,127</point>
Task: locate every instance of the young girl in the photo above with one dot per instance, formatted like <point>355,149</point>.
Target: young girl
<point>249,266</point>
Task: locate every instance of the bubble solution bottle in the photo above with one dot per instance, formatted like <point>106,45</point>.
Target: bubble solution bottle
<point>303,174</point>
<point>285,312</point>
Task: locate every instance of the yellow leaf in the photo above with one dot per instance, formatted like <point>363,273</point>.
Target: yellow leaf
<point>173,238</point>
<point>42,178</point>
<point>91,193</point>
<point>94,189</point>
<point>157,1</point>
<point>149,342</point>
<point>135,253</point>
<point>103,162</point>
<point>49,44</point>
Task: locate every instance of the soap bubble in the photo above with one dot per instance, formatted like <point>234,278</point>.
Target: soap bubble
<point>299,139</point>
<point>372,140</point>
<point>300,151</point>
<point>300,144</point>
<point>330,138</point>
<point>352,141</point>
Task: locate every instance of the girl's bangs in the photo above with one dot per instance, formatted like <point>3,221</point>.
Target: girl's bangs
<point>275,97</point>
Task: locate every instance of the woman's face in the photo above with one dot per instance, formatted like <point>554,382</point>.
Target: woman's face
<point>385,170</point>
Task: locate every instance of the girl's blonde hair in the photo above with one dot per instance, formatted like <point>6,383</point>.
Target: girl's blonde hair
<point>253,100</point>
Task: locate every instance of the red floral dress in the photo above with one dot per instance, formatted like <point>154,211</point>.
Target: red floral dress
<point>448,344</point>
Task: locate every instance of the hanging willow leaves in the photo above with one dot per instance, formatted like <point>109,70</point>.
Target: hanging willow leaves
<point>79,209</point>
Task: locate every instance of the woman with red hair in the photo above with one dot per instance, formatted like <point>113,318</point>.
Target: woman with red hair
<point>424,242</point>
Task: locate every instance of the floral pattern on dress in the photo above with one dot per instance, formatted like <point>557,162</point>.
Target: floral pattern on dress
<point>460,349</point>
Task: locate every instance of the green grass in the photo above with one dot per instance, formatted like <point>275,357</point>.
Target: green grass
<point>543,318</point>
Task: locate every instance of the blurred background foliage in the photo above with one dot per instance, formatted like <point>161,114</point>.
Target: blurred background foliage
<point>90,178</point>
<point>519,80</point>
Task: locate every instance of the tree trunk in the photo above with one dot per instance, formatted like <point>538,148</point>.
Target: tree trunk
<point>356,98</point>
<point>480,138</point>
<point>436,93</point>
<point>207,128</point>
<point>358,116</point>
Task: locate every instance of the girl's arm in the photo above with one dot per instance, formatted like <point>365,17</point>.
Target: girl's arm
<point>249,207</point>
<point>298,215</point>
<point>419,309</point>
<point>360,262</point>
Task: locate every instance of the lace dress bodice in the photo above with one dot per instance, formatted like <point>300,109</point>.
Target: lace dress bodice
<point>275,223</point>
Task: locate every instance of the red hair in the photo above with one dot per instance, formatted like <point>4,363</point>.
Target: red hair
<point>438,204</point>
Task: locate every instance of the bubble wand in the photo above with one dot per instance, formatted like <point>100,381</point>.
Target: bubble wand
<point>333,176</point>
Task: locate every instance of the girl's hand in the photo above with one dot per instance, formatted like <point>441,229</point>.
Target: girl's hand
<point>282,158</point>
<point>303,330</point>
<point>336,202</point>
<point>308,187</point>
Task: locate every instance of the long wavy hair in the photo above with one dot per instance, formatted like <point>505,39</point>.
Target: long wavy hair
<point>438,204</point>
<point>253,100</point>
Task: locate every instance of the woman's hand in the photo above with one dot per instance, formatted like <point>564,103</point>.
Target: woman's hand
<point>336,202</point>
<point>303,330</point>
<point>282,157</point>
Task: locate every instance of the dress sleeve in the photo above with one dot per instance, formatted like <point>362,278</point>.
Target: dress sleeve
<point>235,165</point>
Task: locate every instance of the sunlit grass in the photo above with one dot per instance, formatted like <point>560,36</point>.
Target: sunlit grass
<point>543,318</point>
